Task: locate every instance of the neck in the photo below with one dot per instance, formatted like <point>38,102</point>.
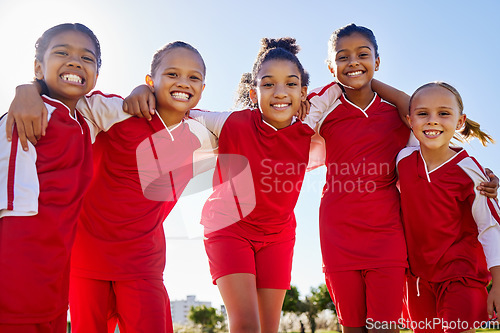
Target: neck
<point>360,97</point>
<point>436,157</point>
<point>69,102</point>
<point>170,118</point>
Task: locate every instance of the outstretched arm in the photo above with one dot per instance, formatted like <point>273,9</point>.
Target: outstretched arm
<point>28,112</point>
<point>397,97</point>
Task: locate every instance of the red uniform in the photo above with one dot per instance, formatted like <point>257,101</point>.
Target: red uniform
<point>360,225</point>
<point>141,168</point>
<point>446,221</point>
<point>37,228</point>
<point>256,186</point>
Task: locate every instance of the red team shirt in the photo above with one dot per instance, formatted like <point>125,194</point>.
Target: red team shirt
<point>360,224</point>
<point>120,233</point>
<point>35,248</point>
<point>446,219</point>
<point>266,167</point>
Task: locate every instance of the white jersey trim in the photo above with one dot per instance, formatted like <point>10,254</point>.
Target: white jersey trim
<point>483,211</point>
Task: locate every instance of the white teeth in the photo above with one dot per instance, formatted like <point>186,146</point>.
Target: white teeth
<point>72,78</point>
<point>280,105</point>
<point>432,133</point>
<point>355,73</point>
<point>180,95</point>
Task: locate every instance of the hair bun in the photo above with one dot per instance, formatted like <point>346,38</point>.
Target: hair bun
<point>286,43</point>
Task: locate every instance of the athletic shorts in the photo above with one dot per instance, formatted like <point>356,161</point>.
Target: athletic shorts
<point>270,262</point>
<point>135,305</point>
<point>451,306</point>
<point>58,325</point>
<point>371,297</point>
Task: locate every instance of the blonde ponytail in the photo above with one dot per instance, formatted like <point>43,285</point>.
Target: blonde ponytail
<point>472,130</point>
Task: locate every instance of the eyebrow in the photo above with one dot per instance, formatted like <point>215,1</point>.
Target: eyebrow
<point>439,107</point>
<point>177,68</point>
<point>68,46</point>
<point>270,76</point>
<point>361,47</point>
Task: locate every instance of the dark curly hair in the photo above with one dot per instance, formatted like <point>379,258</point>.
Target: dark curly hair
<point>271,49</point>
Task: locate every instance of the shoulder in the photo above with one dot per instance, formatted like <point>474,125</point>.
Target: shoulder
<point>470,166</point>
<point>320,91</point>
<point>100,94</point>
<point>242,118</point>
<point>197,128</point>
<point>406,152</point>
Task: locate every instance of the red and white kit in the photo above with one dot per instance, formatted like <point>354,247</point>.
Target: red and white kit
<point>141,168</point>
<point>360,225</point>
<point>446,221</point>
<point>256,186</point>
<point>41,194</point>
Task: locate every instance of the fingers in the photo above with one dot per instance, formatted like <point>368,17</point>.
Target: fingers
<point>9,126</point>
<point>21,132</point>
<point>490,188</point>
<point>131,106</point>
<point>304,110</point>
<point>307,105</point>
<point>45,120</point>
<point>490,307</point>
<point>144,107</point>
<point>140,105</point>
<point>152,103</point>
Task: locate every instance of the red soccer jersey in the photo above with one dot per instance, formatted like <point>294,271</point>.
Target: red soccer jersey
<point>120,233</point>
<point>360,225</point>
<point>442,212</point>
<point>35,250</point>
<point>261,168</point>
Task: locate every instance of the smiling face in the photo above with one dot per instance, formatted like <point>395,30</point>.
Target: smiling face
<point>69,67</point>
<point>279,93</point>
<point>178,81</point>
<point>355,61</point>
<point>434,117</point>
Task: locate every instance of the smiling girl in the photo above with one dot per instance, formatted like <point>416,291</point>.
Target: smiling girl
<point>140,170</point>
<point>362,240</point>
<point>249,230</point>
<point>445,218</point>
<point>42,190</point>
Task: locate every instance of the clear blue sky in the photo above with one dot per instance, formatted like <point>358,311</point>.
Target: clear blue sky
<point>419,41</point>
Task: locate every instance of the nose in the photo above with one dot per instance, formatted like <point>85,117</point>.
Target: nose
<point>353,61</point>
<point>432,120</point>
<point>280,91</point>
<point>182,82</point>
<point>75,62</point>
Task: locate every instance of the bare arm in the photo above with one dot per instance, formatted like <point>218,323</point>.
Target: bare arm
<point>494,294</point>
<point>397,97</point>
<point>28,112</point>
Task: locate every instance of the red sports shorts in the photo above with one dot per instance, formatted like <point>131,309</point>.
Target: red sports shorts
<point>135,305</point>
<point>370,297</point>
<point>451,306</point>
<point>58,325</point>
<point>270,262</point>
